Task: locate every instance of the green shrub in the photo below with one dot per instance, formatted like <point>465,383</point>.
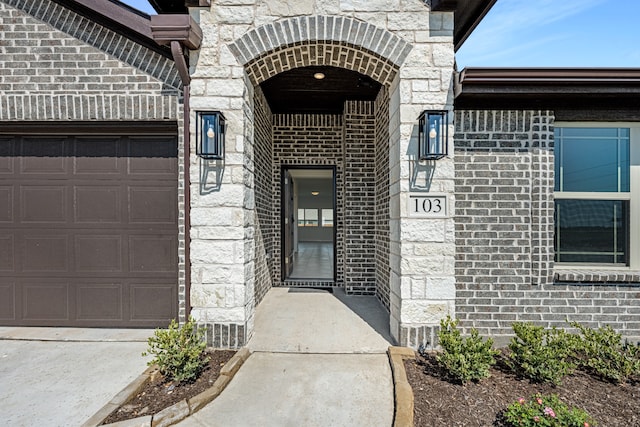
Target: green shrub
<point>542,355</point>
<point>465,359</point>
<point>545,411</point>
<point>178,351</point>
<point>605,354</point>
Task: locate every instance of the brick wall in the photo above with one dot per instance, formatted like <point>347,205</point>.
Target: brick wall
<point>504,233</point>
<point>58,65</point>
<point>265,220</point>
<point>359,200</point>
<point>381,110</point>
<point>309,140</point>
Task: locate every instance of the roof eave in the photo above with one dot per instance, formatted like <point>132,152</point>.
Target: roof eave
<point>587,88</point>
<point>467,15</point>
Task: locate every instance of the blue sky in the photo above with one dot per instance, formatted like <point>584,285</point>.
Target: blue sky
<point>547,33</point>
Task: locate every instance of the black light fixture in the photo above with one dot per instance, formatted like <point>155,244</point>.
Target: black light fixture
<point>433,134</point>
<point>210,135</point>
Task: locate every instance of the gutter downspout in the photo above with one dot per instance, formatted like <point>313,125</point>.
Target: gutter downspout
<point>180,32</point>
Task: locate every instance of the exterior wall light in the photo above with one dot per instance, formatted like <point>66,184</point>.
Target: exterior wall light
<point>210,135</point>
<point>433,135</point>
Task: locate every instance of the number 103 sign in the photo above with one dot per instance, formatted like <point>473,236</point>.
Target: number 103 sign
<point>431,206</point>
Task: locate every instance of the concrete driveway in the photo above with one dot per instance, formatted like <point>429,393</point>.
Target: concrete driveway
<point>62,376</point>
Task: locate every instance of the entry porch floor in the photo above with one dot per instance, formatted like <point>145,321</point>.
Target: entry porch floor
<point>308,320</point>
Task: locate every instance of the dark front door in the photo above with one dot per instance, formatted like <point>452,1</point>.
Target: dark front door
<point>288,226</point>
<point>88,230</point>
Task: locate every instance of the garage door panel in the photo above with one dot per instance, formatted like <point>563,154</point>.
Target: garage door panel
<point>152,254</point>
<point>98,253</point>
<point>152,205</point>
<point>7,155</point>
<point>81,217</point>
<point>43,203</point>
<point>45,301</point>
<point>46,253</point>
<point>98,204</point>
<point>153,301</point>
<point>98,156</point>
<point>6,203</point>
<point>153,157</point>
<point>7,300</point>
<point>43,155</point>
<point>99,301</point>
<point>7,249</point>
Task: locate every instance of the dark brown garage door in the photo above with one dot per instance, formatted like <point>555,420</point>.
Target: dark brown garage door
<point>88,230</point>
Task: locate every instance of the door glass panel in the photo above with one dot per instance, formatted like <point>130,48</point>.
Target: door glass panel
<point>313,255</point>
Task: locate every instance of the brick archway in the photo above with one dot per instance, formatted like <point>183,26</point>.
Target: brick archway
<point>321,40</point>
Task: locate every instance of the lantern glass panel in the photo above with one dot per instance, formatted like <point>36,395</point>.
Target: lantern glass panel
<point>211,135</point>
<point>432,135</point>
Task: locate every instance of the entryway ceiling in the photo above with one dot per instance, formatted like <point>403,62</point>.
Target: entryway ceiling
<point>297,91</point>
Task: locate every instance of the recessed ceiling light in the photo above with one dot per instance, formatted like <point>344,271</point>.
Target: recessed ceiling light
<point>315,193</point>
<point>319,76</point>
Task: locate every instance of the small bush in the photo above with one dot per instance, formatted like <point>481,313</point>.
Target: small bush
<point>178,351</point>
<point>545,411</point>
<point>605,354</point>
<point>465,359</point>
<point>542,355</point>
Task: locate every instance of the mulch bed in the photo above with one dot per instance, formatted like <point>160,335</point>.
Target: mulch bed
<point>439,402</point>
<point>159,393</point>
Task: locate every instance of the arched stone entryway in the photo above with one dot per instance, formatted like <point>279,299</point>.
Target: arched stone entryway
<point>354,142</point>
<point>235,231</point>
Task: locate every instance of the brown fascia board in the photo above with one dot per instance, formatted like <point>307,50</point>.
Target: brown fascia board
<point>548,87</point>
<point>182,28</point>
<point>116,16</point>
<point>467,14</point>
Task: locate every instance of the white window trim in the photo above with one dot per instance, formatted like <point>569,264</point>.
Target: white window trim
<point>633,196</point>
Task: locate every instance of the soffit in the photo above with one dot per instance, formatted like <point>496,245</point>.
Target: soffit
<point>120,18</point>
<point>297,91</point>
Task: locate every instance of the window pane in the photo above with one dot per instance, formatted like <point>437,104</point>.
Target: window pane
<point>327,217</point>
<point>300,217</point>
<point>593,231</point>
<point>592,159</point>
<point>311,217</point>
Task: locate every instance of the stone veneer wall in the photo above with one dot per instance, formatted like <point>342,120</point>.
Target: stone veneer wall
<point>504,234</point>
<point>60,66</point>
<point>308,140</point>
<point>381,111</point>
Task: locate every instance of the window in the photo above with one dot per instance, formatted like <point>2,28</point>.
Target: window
<point>327,217</point>
<point>595,195</point>
<point>307,217</point>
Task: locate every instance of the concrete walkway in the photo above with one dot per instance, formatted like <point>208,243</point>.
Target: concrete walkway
<point>318,360</point>
<point>62,376</point>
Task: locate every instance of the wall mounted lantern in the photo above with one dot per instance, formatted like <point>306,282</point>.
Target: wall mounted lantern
<point>433,135</point>
<point>210,135</point>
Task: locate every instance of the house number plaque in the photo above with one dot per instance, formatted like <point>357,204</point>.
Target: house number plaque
<point>432,206</point>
